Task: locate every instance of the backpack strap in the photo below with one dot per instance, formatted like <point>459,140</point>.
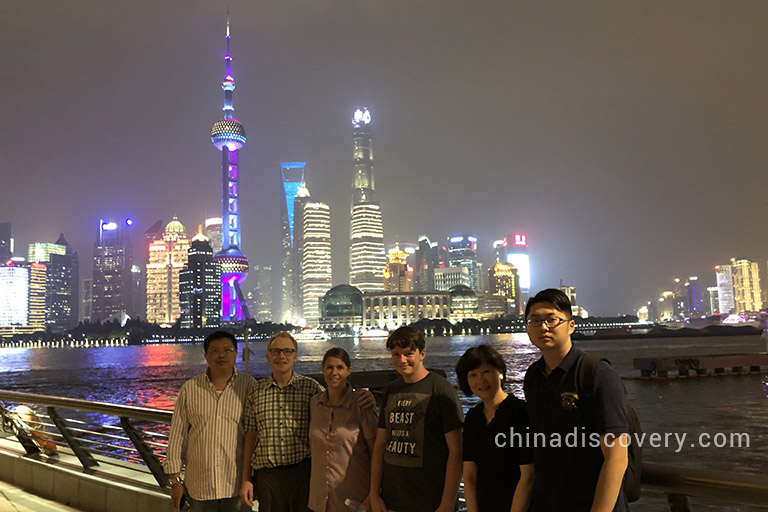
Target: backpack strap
<point>585,377</point>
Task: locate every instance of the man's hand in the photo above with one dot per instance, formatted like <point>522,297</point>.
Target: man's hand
<point>177,491</point>
<point>246,494</point>
<point>365,399</point>
<point>377,504</point>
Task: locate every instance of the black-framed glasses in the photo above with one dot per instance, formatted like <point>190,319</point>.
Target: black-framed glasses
<point>551,321</point>
<point>277,351</point>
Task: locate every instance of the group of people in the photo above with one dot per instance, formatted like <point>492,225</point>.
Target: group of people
<point>293,446</point>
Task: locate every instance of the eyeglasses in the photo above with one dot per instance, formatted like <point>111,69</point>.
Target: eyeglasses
<point>551,322</point>
<point>226,351</point>
<point>287,351</point>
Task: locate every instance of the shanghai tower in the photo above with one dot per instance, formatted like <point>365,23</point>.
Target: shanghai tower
<point>367,259</point>
<point>228,136</point>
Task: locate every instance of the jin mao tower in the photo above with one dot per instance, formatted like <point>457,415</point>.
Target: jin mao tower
<point>367,259</point>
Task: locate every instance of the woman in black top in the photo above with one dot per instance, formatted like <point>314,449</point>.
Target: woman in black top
<point>494,465</point>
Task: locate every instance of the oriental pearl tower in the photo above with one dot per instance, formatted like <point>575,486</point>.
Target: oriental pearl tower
<point>228,136</point>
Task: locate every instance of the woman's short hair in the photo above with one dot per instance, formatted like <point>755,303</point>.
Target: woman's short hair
<point>338,353</point>
<point>472,359</point>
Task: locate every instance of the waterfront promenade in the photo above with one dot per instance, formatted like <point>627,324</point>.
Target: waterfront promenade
<point>15,499</point>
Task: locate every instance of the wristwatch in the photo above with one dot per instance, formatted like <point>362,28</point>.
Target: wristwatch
<point>175,479</point>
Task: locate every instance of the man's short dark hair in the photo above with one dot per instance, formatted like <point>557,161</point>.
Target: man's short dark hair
<point>552,296</point>
<point>406,337</point>
<point>474,358</point>
<point>218,335</point>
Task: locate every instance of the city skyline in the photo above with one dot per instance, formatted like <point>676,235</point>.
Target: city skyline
<point>626,141</point>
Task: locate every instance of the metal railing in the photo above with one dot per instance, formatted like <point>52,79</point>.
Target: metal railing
<point>139,437</point>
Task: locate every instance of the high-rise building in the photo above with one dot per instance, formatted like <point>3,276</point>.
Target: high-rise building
<point>713,302</point>
<point>398,276</point>
<point>112,295</point>
<point>426,259</point>
<point>503,281</point>
<point>22,298</point>
<point>462,252</point>
<point>747,295</point>
<point>693,298</point>
<point>263,293</point>
<point>86,299</point>
<point>316,270</point>
<point>366,248</point>
<point>213,232</point>
<point>62,289</point>
<point>228,136</point>
<point>724,276</point>
<point>199,297</point>
<point>299,202</point>
<point>516,253</point>
<point>293,178</point>
<point>6,242</point>
<point>167,257</point>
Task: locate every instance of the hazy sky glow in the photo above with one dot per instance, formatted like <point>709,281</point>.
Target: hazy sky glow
<point>627,139</point>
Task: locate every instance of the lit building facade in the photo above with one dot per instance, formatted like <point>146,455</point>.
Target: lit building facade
<point>398,276</point>
<point>713,302</point>
<point>316,272</point>
<point>503,281</point>
<point>426,259</point>
<point>167,257</point>
<point>516,253</point>
<point>299,202</point>
<point>228,136</point>
<point>724,276</point>
<point>341,308</point>
<point>366,249</point>
<point>747,294</point>
<point>390,310</point>
<point>6,241</point>
<point>292,174</point>
<point>199,297</point>
<point>112,292</point>
<point>462,252</point>
<point>22,298</point>
<point>447,277</point>
<point>62,289</point>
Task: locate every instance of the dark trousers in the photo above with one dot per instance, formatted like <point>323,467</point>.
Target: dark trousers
<point>284,488</point>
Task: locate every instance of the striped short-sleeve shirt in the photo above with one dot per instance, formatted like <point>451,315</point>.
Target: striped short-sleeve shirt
<point>280,417</point>
<point>206,434</point>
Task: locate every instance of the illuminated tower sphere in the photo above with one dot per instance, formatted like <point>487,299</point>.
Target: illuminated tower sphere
<point>228,136</point>
<point>367,259</point>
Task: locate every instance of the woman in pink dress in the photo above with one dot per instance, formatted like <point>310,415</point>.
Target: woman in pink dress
<point>341,441</point>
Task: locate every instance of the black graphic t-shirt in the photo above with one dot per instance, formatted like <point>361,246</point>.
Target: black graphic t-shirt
<point>417,416</point>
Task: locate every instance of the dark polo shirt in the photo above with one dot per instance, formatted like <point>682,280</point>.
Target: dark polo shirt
<point>566,476</point>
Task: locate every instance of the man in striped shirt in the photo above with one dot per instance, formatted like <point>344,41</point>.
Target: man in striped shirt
<point>206,432</point>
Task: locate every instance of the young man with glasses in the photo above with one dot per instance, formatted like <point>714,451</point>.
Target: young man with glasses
<point>276,463</point>
<point>586,477</point>
<point>206,431</point>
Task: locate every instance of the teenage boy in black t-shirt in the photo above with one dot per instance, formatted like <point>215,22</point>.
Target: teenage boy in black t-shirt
<point>416,462</point>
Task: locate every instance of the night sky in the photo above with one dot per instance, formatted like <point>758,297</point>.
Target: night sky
<point>627,139</point>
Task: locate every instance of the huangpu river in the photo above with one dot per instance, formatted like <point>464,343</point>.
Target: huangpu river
<point>151,375</point>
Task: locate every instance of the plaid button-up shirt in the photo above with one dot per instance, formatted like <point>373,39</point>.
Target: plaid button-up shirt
<point>280,417</point>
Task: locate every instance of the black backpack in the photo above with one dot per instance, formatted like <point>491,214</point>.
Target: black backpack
<point>586,388</point>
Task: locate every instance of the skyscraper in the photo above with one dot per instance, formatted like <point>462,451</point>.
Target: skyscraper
<point>166,259</point>
<point>62,288</point>
<point>462,252</point>
<point>426,259</point>
<point>316,273</point>
<point>398,276</point>
<point>22,298</point>
<point>292,174</point>
<point>199,297</point>
<point>504,282</point>
<point>263,293</point>
<point>747,295</point>
<point>228,136</point>
<point>517,255</point>
<point>213,233</point>
<point>724,277</point>
<point>366,249</point>
<point>112,285</point>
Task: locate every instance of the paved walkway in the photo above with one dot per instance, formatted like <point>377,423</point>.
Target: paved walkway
<point>14,499</point>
